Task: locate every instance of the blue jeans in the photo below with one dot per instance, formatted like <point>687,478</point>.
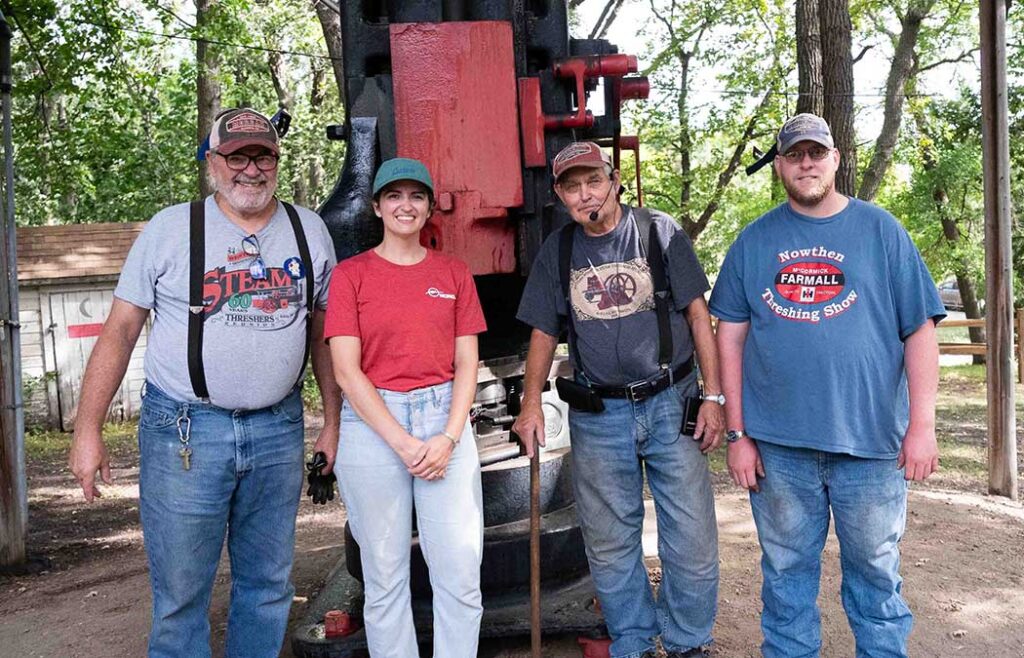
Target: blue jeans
<point>380,495</point>
<point>245,482</point>
<point>611,452</point>
<point>868,500</point>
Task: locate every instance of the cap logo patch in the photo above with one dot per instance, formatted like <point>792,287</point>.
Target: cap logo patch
<point>247,123</point>
<point>572,151</point>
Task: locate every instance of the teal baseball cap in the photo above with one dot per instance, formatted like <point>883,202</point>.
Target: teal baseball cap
<point>397,169</point>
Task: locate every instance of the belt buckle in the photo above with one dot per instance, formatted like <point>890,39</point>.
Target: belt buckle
<point>637,391</point>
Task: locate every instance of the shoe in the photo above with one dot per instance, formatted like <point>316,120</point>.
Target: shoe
<point>696,652</point>
<point>649,654</point>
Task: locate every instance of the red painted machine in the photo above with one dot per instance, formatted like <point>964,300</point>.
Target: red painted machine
<point>484,92</point>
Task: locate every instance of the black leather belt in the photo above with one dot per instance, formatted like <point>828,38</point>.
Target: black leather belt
<point>646,388</point>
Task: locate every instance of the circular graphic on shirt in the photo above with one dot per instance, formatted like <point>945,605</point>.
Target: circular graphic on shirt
<point>809,283</point>
<point>293,266</point>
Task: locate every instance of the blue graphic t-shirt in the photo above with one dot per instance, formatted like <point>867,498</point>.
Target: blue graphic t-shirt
<point>830,302</point>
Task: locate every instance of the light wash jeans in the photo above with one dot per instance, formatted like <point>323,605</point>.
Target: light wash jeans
<point>611,453</point>
<point>868,499</point>
<point>379,495</point>
<point>244,482</point>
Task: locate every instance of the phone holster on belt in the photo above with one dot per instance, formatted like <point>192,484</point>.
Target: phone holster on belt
<point>691,405</point>
<point>578,396</point>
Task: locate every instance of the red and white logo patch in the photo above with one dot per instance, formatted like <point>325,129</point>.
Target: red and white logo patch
<point>247,122</point>
<point>810,283</point>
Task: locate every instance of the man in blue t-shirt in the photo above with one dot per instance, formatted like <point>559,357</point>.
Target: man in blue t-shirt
<point>633,332</point>
<point>829,357</point>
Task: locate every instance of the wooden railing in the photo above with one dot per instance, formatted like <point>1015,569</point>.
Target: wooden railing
<point>982,348</point>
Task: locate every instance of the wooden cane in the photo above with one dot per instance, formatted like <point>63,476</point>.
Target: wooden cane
<point>535,553</point>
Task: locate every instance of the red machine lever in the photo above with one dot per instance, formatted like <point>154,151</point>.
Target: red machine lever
<point>581,68</point>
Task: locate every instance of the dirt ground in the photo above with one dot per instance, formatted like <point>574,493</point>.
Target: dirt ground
<point>962,565</point>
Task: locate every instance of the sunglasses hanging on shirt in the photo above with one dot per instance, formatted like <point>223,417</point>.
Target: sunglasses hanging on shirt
<point>251,247</point>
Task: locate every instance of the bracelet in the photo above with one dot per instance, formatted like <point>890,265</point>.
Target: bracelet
<point>451,438</point>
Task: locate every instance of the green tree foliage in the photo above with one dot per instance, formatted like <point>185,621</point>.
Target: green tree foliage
<point>105,105</point>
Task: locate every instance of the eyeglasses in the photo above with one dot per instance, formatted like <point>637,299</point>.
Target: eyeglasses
<point>817,154</point>
<point>240,161</point>
<point>251,247</point>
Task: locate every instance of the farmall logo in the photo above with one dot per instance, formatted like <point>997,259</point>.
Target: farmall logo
<point>809,283</point>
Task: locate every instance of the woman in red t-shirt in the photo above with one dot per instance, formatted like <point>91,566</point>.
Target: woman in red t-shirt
<point>402,322</point>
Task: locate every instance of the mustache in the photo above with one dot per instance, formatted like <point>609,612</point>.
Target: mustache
<point>244,178</point>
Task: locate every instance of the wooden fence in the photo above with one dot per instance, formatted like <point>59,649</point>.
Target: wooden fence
<point>982,348</point>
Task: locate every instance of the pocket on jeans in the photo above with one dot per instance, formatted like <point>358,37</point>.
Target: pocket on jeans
<point>156,417</point>
<point>290,408</point>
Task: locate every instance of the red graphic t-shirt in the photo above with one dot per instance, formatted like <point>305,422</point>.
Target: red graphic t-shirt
<point>406,316</point>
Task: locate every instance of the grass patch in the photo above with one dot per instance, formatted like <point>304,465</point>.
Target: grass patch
<point>965,373</point>
<point>51,445</point>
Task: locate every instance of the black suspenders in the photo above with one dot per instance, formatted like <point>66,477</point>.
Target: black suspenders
<point>197,315</point>
<point>655,261</point>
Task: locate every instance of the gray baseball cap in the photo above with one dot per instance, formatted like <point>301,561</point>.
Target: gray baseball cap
<point>804,127</point>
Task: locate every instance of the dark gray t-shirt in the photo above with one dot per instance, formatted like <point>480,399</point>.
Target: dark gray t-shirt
<point>613,298</point>
<point>254,335</point>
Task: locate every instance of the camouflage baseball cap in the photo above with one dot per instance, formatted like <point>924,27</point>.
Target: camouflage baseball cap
<point>240,127</point>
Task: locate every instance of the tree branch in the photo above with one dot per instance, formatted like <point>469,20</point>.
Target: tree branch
<point>864,51</point>
<point>962,57</point>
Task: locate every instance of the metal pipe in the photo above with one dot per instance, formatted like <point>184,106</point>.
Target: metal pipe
<point>535,553</point>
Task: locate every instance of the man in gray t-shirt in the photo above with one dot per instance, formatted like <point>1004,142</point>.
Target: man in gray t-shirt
<point>615,345</point>
<point>221,435</point>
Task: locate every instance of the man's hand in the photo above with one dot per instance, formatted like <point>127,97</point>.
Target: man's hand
<point>437,451</point>
<point>919,454</point>
<point>529,426</point>
<point>744,462</point>
<point>88,455</point>
<point>327,443</point>
<point>710,426</point>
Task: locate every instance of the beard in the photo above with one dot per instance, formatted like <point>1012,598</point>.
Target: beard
<point>244,198</point>
<point>809,197</point>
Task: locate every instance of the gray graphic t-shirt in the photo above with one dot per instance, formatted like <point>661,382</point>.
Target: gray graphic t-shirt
<point>255,331</point>
<point>613,298</point>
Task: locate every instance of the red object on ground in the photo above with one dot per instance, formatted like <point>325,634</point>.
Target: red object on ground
<point>595,648</point>
<point>456,111</point>
<point>85,330</point>
<point>338,623</point>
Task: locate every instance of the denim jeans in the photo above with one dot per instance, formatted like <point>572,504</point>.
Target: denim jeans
<point>868,500</point>
<point>611,453</point>
<point>244,481</point>
<point>380,494</point>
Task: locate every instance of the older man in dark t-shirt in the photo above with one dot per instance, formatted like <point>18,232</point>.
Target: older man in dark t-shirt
<point>634,364</point>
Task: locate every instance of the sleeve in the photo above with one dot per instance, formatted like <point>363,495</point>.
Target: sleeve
<point>685,275</point>
<point>915,296</point>
<point>469,315</point>
<point>728,301</point>
<point>324,261</point>
<point>342,318</point>
<point>137,283</point>
<point>539,306</point>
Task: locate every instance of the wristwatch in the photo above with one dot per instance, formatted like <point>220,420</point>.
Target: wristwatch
<point>732,436</point>
<point>720,399</point>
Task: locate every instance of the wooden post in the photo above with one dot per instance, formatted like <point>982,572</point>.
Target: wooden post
<point>1002,422</point>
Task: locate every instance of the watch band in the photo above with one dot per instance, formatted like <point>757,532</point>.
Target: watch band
<point>719,398</point>
<point>732,436</point>
<point>454,440</point>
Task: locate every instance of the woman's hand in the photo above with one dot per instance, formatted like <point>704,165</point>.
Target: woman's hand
<point>412,451</point>
<point>436,452</point>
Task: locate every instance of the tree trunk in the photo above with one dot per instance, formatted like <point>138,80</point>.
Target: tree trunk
<point>207,87</point>
<point>837,76</point>
<point>330,23</point>
<point>685,143</point>
<point>900,73</point>
<point>951,231</point>
<point>808,58</point>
